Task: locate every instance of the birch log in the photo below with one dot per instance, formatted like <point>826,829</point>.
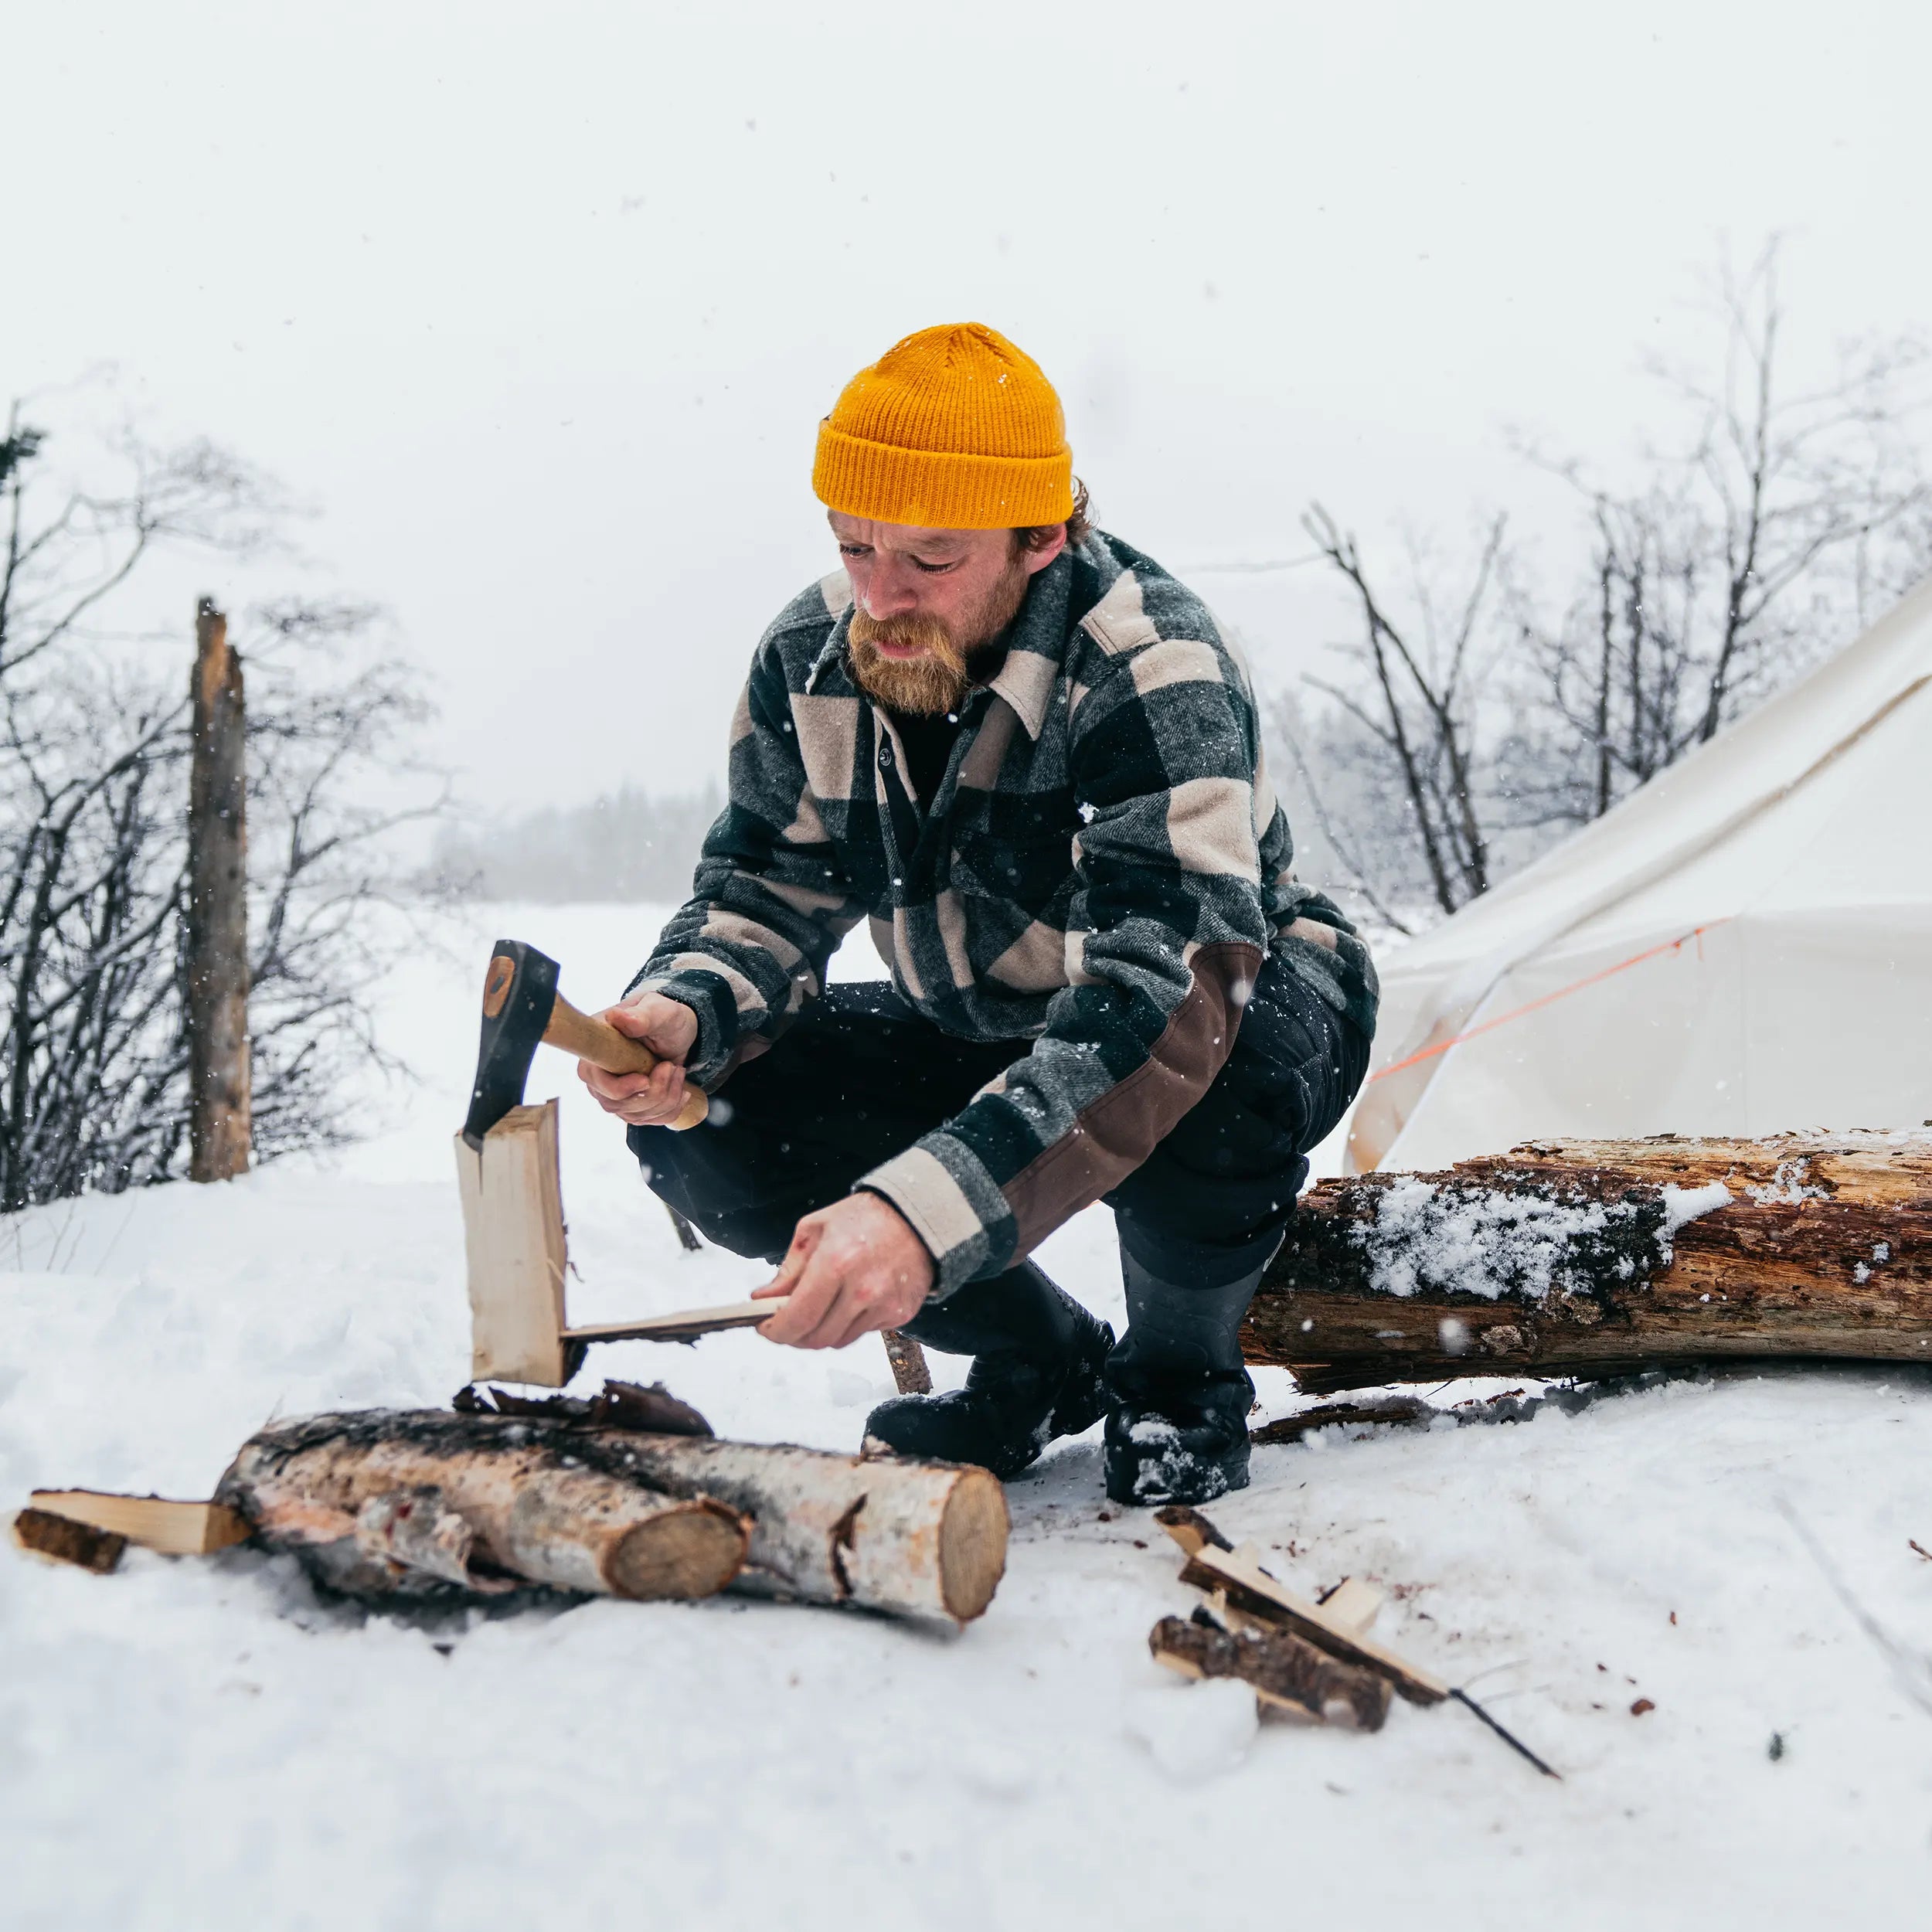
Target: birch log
<point>924,1539</point>
<point>393,1504</point>
<point>363,1499</point>
<point>1600,1257</point>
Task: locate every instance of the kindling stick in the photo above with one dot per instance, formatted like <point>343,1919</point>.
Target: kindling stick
<point>1214,1564</point>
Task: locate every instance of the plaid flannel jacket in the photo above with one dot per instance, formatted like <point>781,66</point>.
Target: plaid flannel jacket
<point>1102,872</point>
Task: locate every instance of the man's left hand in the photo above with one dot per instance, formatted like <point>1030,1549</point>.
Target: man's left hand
<point>853,1267</point>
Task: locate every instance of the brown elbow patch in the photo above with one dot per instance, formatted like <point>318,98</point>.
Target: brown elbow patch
<point>1113,1136</point>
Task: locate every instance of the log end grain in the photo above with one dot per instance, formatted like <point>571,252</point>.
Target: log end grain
<point>678,1554</point>
<point>973,1529</point>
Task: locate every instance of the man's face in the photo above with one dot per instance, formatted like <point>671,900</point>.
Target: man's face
<point>925,600</point>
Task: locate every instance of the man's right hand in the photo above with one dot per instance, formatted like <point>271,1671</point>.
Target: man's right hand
<point>670,1030</point>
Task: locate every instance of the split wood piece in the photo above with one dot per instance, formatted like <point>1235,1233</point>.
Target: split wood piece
<point>1286,1671</point>
<point>517,1252</point>
<point>1239,1590</point>
<point>174,1529</point>
<point>1350,1607</point>
<point>42,1533</point>
<point>683,1324</point>
<point>1251,1589</point>
<point>515,1248</point>
<point>385,1505</point>
<point>1354,1602</point>
<point>541,1497</point>
<point>1574,1258</point>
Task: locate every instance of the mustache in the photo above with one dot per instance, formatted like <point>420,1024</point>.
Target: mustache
<point>933,681</point>
<point>928,634</point>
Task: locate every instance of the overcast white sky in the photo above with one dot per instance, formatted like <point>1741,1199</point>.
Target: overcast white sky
<point>541,306</point>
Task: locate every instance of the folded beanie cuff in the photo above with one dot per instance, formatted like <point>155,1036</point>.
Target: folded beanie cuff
<point>940,489</point>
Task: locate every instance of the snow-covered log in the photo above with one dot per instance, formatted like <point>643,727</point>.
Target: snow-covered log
<point>387,1503</point>
<point>1599,1257</point>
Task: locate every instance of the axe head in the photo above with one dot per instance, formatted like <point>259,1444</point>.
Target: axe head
<point>519,991</point>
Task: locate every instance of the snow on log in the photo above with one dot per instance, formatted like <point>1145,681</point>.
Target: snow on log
<point>387,1504</point>
<point>1599,1257</point>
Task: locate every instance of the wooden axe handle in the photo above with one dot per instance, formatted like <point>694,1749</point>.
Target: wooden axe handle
<point>600,1043</point>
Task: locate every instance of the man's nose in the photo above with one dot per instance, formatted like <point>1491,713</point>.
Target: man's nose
<point>890,592</point>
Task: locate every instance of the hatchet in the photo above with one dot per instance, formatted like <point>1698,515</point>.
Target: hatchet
<point>522,1007</point>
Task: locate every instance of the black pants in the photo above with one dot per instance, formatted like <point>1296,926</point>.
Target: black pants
<point>860,1076</point>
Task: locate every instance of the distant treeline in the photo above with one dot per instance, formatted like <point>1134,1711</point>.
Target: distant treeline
<point>624,848</point>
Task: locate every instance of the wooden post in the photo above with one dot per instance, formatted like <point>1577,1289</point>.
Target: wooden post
<point>219,1097</point>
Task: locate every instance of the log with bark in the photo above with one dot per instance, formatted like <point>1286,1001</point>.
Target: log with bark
<point>1286,1671</point>
<point>1590,1258</point>
<point>389,1505</point>
<point>44,1533</point>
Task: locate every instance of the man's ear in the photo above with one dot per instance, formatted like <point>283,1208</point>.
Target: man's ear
<point>1038,560</point>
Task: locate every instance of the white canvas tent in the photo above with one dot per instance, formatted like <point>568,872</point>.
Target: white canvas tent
<point>1744,946</point>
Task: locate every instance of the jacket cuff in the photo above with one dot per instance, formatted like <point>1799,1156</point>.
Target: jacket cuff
<point>951,1203</point>
<point>709,998</point>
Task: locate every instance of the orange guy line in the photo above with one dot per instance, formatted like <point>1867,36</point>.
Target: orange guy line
<point>1547,999</point>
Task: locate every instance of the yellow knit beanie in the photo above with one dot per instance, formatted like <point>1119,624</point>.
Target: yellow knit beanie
<point>952,429</point>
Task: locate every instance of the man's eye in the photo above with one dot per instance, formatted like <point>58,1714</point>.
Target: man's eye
<point>931,570</point>
<point>855,549</point>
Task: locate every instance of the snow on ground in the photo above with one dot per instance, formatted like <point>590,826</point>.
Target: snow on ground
<point>200,1743</point>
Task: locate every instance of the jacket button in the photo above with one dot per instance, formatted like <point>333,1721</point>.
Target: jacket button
<point>885,758</point>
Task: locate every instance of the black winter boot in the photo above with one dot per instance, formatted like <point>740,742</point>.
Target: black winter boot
<point>1177,1418</point>
<point>1037,1358</point>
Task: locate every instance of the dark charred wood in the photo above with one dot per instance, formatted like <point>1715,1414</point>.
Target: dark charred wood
<point>1285,1668</point>
<point>67,1542</point>
<point>911,1374</point>
<point>1399,1411</point>
<point>620,1404</point>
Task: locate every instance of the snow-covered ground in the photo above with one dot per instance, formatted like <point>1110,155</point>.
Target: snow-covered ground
<point>199,1744</point>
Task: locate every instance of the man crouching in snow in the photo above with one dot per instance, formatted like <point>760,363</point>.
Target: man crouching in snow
<point>1027,753</point>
